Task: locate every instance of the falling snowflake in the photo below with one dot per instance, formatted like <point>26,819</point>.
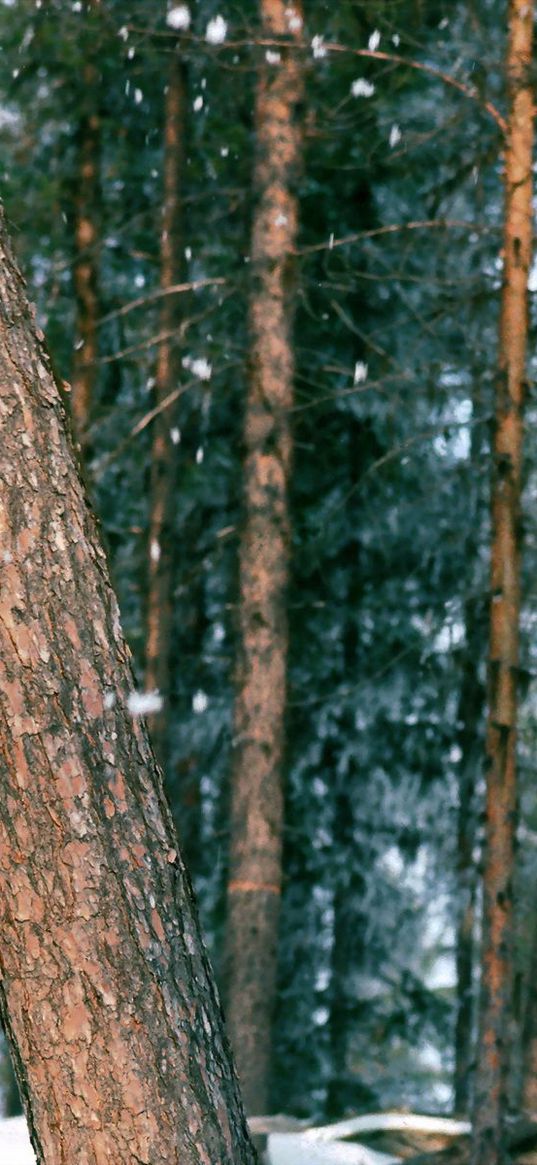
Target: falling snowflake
<point>374,41</point>
<point>175,435</point>
<point>179,17</point>
<point>216,30</point>
<point>200,367</point>
<point>318,47</point>
<point>272,57</point>
<point>197,104</point>
<point>154,551</point>
<point>200,702</point>
<point>362,88</point>
<point>294,21</point>
<point>143,703</point>
<point>360,372</point>
<point>395,135</point>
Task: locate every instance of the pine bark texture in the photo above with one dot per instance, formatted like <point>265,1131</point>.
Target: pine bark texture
<point>501,796</point>
<point>105,988</point>
<point>85,272</point>
<point>256,798</point>
<point>164,452</point>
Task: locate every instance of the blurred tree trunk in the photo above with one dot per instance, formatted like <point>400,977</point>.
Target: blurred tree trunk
<point>105,990</point>
<point>256,798</point>
<point>87,235</point>
<point>164,452</point>
<point>470,741</point>
<point>529,1036</point>
<point>470,716</point>
<point>501,797</point>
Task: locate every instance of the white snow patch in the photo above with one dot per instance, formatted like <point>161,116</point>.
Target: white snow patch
<point>15,1146</point>
<point>281,220</point>
<point>109,700</point>
<point>143,703</point>
<point>154,551</point>
<point>272,58</point>
<point>362,87</point>
<point>216,30</point>
<point>179,17</point>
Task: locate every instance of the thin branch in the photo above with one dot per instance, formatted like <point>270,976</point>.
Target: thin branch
<point>392,228</point>
<point>158,294</point>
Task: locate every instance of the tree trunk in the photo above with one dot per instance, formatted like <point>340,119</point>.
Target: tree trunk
<point>471,704</point>
<point>85,273</point>
<point>529,1037</point>
<point>105,988</point>
<point>163,454</point>
<point>256,798</point>
<point>501,800</point>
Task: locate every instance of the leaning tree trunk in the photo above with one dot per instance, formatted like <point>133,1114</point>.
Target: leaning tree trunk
<point>105,989</point>
<point>163,453</point>
<point>501,799</point>
<point>256,797</point>
<point>86,240</point>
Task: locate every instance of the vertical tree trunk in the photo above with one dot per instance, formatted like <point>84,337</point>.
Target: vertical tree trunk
<point>471,704</point>
<point>256,798</point>
<point>529,1037</point>
<point>105,990</point>
<point>163,453</point>
<point>85,274</point>
<point>501,800</point>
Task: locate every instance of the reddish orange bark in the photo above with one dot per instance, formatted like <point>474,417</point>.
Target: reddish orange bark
<point>256,800</point>
<point>163,453</point>
<point>105,989</point>
<point>85,274</point>
<point>501,800</point>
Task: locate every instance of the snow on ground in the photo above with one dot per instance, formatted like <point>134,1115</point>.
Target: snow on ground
<point>15,1147</point>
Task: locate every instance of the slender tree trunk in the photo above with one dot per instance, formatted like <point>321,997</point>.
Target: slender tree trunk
<point>87,231</point>
<point>471,705</point>
<point>256,800</point>
<point>529,1037</point>
<point>105,989</point>
<point>501,799</point>
<point>163,454</point>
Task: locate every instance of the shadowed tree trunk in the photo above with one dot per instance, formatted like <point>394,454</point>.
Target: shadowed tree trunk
<point>105,989</point>
<point>529,1036</point>
<point>471,706</point>
<point>164,452</point>
<point>256,798</point>
<point>87,229</point>
<point>501,798</point>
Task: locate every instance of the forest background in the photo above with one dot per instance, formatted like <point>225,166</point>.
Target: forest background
<point>129,137</point>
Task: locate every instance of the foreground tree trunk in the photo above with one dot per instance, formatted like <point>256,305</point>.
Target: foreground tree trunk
<point>87,231</point>
<point>501,801</point>
<point>163,453</point>
<point>105,990</point>
<point>256,808</point>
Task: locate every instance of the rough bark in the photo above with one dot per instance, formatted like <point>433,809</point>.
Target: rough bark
<point>256,798</point>
<point>501,799</point>
<point>86,241</point>
<point>105,988</point>
<point>163,453</point>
